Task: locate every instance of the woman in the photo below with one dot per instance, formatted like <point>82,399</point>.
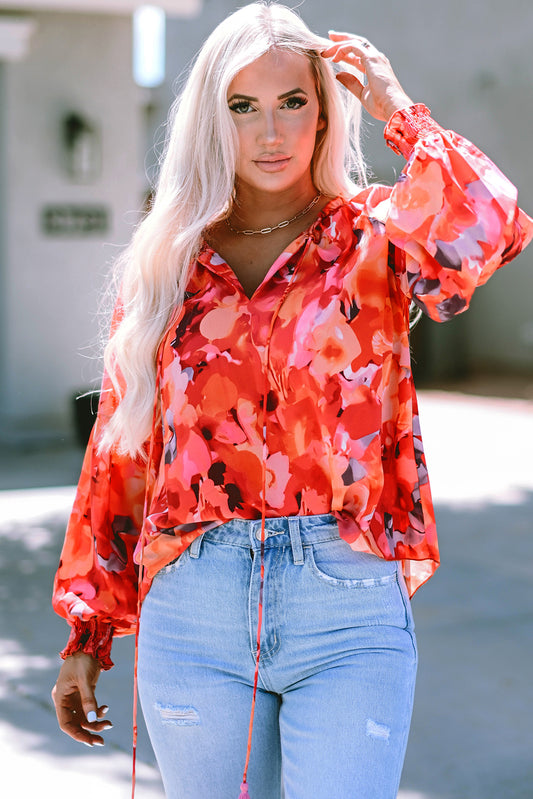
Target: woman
<point>257,448</point>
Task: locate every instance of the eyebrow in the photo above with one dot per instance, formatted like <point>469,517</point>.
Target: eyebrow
<point>256,99</point>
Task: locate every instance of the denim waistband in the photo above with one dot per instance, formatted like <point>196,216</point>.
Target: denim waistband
<point>280,531</point>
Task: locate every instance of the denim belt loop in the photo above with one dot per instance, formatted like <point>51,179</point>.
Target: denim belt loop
<point>194,549</point>
<point>296,540</point>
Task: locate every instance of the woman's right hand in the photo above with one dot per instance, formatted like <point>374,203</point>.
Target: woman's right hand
<point>77,711</point>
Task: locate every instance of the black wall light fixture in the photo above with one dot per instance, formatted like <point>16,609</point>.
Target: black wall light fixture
<point>81,148</point>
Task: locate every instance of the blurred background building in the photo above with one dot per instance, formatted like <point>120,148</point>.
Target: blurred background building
<point>85,88</point>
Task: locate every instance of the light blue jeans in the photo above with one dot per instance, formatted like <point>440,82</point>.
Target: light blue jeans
<point>337,667</point>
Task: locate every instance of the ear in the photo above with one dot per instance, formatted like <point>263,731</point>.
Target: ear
<point>322,123</point>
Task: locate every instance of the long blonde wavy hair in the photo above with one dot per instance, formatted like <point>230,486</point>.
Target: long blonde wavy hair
<point>195,189</point>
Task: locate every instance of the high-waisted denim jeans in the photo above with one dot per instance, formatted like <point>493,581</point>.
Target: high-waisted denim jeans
<point>337,667</point>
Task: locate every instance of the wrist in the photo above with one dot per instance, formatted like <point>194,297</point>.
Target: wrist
<point>396,103</point>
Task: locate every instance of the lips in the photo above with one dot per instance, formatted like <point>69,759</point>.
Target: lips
<point>272,163</point>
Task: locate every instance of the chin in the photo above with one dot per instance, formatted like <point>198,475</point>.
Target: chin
<point>277,182</point>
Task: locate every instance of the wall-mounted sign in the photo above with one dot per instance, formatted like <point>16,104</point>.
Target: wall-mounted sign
<point>75,220</point>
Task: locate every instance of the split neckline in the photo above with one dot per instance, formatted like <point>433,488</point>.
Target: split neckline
<point>209,257</point>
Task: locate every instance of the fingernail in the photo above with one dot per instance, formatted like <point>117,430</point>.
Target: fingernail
<point>104,710</point>
<point>108,726</point>
<point>99,743</point>
<point>87,744</point>
<point>91,716</point>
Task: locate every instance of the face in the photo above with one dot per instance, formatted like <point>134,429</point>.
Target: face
<point>275,108</point>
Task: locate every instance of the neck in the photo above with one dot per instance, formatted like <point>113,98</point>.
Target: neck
<point>256,209</point>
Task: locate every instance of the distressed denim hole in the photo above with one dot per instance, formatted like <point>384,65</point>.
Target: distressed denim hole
<point>185,716</point>
<point>380,732</point>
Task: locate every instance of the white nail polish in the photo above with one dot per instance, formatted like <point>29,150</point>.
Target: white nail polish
<point>87,744</point>
<point>105,710</point>
<point>91,716</point>
<point>98,743</point>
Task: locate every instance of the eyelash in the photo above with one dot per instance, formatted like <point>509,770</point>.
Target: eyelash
<point>241,106</point>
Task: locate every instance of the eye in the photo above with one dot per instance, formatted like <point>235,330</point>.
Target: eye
<point>241,107</point>
<point>292,103</point>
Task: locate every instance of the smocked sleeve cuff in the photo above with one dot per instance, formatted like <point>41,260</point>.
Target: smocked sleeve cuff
<point>407,126</point>
<point>92,637</point>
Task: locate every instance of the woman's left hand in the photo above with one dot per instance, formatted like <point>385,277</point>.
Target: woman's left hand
<point>382,94</point>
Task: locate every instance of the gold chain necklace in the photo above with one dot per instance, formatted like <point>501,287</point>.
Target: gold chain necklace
<point>285,222</point>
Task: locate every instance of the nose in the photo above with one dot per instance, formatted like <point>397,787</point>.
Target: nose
<point>270,133</point>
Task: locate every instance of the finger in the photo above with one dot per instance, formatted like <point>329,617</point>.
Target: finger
<point>354,55</point>
<point>89,731</point>
<point>337,36</point>
<point>328,52</point>
<point>96,726</point>
<point>72,721</point>
<point>340,38</point>
<point>98,723</point>
<point>359,49</point>
<point>75,713</point>
<point>75,725</point>
<point>351,83</point>
<point>88,700</point>
<point>351,59</point>
<point>77,730</point>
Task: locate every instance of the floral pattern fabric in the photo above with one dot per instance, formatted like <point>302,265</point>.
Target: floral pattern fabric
<point>305,388</point>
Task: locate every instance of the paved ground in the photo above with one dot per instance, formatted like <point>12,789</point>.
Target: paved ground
<point>472,733</point>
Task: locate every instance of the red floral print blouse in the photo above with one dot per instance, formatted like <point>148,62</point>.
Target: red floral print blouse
<point>305,388</point>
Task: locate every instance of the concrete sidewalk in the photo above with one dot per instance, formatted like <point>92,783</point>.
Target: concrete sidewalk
<point>471,735</point>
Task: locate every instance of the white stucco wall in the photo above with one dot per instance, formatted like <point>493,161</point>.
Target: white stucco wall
<point>52,284</point>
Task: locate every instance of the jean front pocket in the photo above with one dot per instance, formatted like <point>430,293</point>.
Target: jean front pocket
<point>337,564</point>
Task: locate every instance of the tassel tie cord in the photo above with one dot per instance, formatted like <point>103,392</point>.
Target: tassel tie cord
<point>244,794</point>
<point>244,791</point>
